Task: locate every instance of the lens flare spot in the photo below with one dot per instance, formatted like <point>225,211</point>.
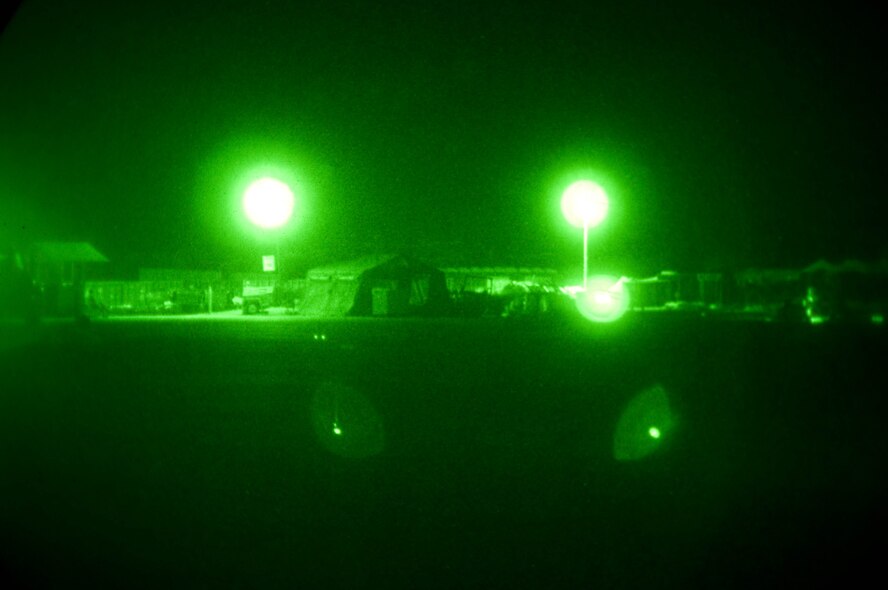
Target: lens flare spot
<point>345,421</point>
<point>643,427</point>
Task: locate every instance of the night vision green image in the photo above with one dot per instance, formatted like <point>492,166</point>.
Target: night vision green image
<point>400,294</point>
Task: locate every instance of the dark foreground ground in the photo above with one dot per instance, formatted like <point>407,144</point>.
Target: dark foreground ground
<point>470,453</point>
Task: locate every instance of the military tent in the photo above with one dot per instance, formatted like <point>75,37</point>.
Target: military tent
<point>385,285</point>
<point>59,270</point>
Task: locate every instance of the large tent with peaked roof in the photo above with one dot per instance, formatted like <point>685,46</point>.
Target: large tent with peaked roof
<point>382,285</point>
<point>62,262</point>
<point>59,270</point>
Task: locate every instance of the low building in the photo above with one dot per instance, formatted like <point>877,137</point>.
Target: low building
<point>493,280</point>
<point>501,290</point>
<point>667,288</point>
<point>764,288</point>
<point>850,290</point>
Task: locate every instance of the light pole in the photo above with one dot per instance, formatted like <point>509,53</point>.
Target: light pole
<point>584,204</point>
<point>268,203</point>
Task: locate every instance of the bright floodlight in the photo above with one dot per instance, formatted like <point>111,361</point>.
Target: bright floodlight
<point>584,204</point>
<point>605,299</point>
<point>268,203</point>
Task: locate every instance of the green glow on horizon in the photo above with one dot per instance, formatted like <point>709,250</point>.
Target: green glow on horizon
<point>268,203</point>
<point>584,203</point>
<point>634,437</point>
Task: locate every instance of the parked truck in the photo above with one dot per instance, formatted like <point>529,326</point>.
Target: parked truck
<point>257,295</point>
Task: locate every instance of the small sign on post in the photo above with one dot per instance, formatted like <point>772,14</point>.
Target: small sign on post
<point>268,263</point>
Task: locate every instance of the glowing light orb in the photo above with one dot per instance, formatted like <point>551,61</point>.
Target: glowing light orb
<point>634,437</point>
<point>602,298</point>
<point>345,421</point>
<point>605,299</point>
<point>584,203</point>
<point>268,203</point>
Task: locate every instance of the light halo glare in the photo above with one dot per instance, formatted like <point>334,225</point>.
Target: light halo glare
<point>268,203</point>
<point>584,203</point>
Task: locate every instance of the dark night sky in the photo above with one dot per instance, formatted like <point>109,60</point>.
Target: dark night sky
<point>726,134</point>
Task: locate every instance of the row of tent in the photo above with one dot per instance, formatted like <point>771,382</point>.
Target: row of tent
<point>399,285</point>
<point>851,282</point>
<point>381,285</point>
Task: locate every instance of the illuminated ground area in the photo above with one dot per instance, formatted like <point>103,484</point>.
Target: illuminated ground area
<point>405,453</point>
